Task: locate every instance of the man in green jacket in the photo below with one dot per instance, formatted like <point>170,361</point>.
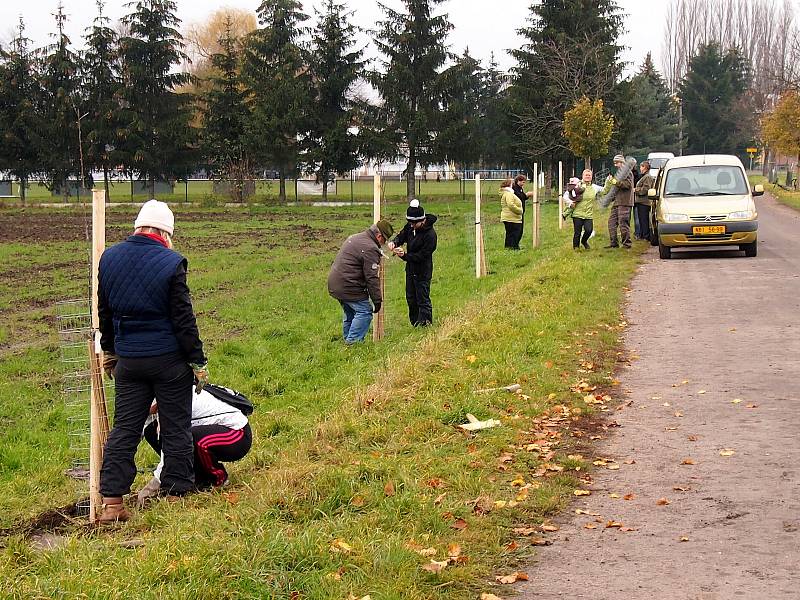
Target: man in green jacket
<point>623,203</point>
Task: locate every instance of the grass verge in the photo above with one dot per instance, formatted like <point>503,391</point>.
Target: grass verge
<point>359,479</point>
<point>789,198</point>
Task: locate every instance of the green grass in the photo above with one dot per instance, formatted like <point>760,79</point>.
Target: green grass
<point>351,444</point>
<point>789,198</point>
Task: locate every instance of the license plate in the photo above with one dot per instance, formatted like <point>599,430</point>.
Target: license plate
<point>709,230</point>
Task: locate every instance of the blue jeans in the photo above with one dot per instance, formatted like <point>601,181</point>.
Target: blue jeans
<point>356,321</point>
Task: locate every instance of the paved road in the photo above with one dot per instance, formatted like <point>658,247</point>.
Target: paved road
<point>730,326</point>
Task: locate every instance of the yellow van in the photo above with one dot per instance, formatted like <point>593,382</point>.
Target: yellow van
<point>704,200</point>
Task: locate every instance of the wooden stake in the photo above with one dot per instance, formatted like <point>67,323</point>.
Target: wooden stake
<point>98,412</point>
<point>536,220</point>
<point>480,252</point>
<point>560,194</point>
<point>378,324</point>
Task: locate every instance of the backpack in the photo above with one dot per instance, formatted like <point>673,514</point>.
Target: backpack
<point>231,397</point>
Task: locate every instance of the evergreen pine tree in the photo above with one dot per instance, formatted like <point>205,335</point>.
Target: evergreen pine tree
<point>102,95</point>
<point>715,120</point>
<point>225,117</point>
<point>335,66</point>
<point>60,109</point>
<point>159,140</point>
<point>495,128</point>
<point>19,119</point>
<point>570,51</point>
<point>462,93</point>
<point>275,73</point>
<point>648,120</point>
<point>406,122</point>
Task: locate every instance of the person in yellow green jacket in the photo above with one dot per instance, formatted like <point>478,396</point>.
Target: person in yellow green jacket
<point>583,212</point>
<point>511,214</point>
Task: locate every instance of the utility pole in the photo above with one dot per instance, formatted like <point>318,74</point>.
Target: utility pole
<point>680,127</point>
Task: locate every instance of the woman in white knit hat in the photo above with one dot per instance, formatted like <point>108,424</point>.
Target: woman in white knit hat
<point>151,348</point>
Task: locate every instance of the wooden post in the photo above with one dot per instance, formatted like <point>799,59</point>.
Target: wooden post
<point>377,326</point>
<point>480,253</point>
<point>536,210</point>
<point>98,412</point>
<point>560,194</point>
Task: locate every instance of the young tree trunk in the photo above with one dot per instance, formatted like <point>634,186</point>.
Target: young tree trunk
<point>282,190</point>
<point>325,188</point>
<point>587,163</point>
<point>151,186</point>
<point>23,183</point>
<point>105,182</point>
<point>411,170</point>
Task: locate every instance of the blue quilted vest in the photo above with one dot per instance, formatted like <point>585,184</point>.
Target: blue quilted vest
<point>135,277</point>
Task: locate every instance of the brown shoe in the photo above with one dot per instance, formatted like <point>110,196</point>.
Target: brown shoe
<point>114,512</point>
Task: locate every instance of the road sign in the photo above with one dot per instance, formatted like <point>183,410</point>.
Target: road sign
<point>752,150</point>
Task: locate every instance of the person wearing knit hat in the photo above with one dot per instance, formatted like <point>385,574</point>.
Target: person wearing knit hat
<point>151,347</point>
<point>354,279</point>
<point>619,189</point>
<point>420,240</point>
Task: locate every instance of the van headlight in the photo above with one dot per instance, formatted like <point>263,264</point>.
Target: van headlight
<point>675,217</point>
<point>742,214</point>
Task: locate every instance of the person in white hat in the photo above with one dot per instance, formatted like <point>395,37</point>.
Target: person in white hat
<point>152,348</point>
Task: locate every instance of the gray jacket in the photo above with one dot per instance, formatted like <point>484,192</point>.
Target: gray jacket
<point>355,274</point>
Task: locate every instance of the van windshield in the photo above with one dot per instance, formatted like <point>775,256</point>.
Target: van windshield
<point>657,163</point>
<point>705,180</point>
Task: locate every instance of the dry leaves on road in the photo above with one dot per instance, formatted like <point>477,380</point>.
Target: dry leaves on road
<point>687,461</point>
<point>486,596</point>
<point>662,502</point>
<point>727,452</point>
<point>582,493</point>
<point>513,578</point>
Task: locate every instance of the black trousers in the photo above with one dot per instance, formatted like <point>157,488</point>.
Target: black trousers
<point>513,234</point>
<point>581,225</point>
<point>643,211</point>
<point>168,379</point>
<point>213,445</point>
<point>418,298</point>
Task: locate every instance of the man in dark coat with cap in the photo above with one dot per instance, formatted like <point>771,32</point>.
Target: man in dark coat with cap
<point>419,236</point>
<point>354,279</point>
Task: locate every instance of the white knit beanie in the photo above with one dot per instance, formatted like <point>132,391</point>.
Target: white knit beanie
<point>619,158</point>
<point>156,214</point>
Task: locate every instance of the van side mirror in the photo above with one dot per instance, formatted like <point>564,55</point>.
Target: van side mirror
<point>651,193</point>
<point>758,190</point>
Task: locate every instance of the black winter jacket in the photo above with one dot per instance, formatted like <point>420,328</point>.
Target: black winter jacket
<point>420,246</point>
<point>519,192</point>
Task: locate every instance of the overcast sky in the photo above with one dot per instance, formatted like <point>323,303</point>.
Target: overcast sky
<point>482,25</point>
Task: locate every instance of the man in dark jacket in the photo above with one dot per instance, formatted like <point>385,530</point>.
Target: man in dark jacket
<point>518,188</point>
<point>354,279</point>
<point>419,237</point>
<point>152,349</point>
<point>620,216</point>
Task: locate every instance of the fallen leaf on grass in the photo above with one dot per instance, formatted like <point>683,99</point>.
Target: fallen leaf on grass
<point>358,501</point>
<point>687,461</point>
<point>548,364</point>
<point>388,489</point>
<point>582,493</point>
<point>231,497</point>
<point>472,358</point>
<point>435,566</point>
<point>341,547</point>
<point>439,499</point>
<point>453,551</point>
<point>513,578</point>
<point>727,452</point>
<point>337,575</point>
<point>662,502</point>
<point>525,530</point>
<point>459,524</point>
<point>511,546</point>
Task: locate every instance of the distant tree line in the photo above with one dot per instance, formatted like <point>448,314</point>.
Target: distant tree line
<point>274,93</point>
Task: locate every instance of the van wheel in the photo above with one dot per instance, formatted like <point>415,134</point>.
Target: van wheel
<point>664,251</point>
<point>653,235</point>
<point>750,249</point>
